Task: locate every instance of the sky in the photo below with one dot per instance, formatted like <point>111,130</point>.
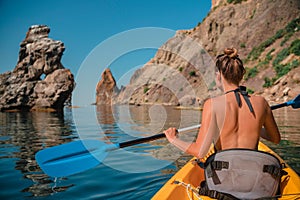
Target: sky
<point>87,26</point>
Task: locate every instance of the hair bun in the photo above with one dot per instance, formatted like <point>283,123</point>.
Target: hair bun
<point>231,52</point>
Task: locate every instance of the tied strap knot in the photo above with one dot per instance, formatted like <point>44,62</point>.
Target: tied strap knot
<point>244,93</point>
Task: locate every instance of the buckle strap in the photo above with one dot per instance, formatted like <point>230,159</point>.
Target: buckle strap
<point>213,167</point>
<point>274,170</point>
<point>219,165</point>
<point>203,190</point>
<point>221,195</point>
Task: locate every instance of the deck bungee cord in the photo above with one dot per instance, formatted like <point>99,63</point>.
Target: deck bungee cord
<point>189,188</point>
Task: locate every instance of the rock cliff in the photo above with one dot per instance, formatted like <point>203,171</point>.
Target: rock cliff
<point>39,80</point>
<point>106,88</point>
<point>177,75</point>
<point>266,33</point>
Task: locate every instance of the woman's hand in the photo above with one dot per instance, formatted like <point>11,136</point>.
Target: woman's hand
<point>171,134</point>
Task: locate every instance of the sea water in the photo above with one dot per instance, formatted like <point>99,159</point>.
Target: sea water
<point>135,172</point>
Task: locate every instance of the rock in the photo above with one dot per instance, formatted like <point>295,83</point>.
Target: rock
<point>274,90</point>
<point>296,77</point>
<point>188,100</point>
<point>215,3</point>
<point>106,88</point>
<point>179,68</point>
<point>281,80</point>
<point>39,56</point>
<point>289,59</point>
<point>267,91</point>
<point>285,92</point>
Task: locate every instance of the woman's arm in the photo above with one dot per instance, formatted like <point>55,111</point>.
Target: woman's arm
<point>270,131</point>
<point>205,136</point>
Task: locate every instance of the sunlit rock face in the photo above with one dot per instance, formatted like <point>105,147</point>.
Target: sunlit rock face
<point>39,80</point>
<point>106,88</point>
<point>182,71</point>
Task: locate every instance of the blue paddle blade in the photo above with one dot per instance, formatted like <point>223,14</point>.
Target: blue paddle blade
<point>72,158</point>
<point>296,102</point>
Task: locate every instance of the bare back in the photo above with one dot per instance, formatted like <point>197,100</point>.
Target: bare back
<point>238,127</point>
<point>233,120</point>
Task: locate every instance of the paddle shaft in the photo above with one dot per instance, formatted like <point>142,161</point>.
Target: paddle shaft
<point>295,103</point>
<point>153,137</point>
<point>279,106</point>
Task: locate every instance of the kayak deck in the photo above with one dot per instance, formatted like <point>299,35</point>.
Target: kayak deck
<point>192,175</point>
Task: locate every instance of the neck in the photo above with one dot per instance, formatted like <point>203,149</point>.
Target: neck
<point>229,86</point>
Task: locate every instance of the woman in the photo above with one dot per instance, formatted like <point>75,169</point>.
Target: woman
<point>232,120</point>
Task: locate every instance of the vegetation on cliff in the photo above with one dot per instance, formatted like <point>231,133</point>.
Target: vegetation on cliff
<point>266,33</point>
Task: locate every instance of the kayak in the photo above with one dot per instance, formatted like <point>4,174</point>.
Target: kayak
<point>183,185</point>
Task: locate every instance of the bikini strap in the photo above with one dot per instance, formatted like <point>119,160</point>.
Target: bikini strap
<point>244,93</point>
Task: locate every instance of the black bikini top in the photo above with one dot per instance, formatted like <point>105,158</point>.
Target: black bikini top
<point>244,93</point>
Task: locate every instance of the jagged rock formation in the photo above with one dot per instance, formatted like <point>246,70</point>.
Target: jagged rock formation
<point>24,88</point>
<point>106,88</point>
<point>182,72</point>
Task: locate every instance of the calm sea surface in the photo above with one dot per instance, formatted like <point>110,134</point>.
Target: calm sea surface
<point>136,172</point>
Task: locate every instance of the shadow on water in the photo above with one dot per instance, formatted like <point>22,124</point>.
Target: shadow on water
<point>25,133</point>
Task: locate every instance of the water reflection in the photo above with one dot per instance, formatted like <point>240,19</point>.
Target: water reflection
<point>124,123</point>
<point>142,121</point>
<point>25,133</point>
<point>288,121</point>
<point>105,114</point>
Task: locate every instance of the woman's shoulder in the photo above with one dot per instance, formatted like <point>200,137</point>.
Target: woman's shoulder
<point>259,101</point>
<point>257,98</point>
<point>214,102</point>
<point>214,99</point>
<point>217,99</point>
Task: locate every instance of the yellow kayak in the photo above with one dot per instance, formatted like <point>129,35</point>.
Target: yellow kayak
<point>183,185</point>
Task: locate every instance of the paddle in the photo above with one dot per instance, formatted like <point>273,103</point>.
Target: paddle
<point>295,103</point>
<point>81,155</point>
